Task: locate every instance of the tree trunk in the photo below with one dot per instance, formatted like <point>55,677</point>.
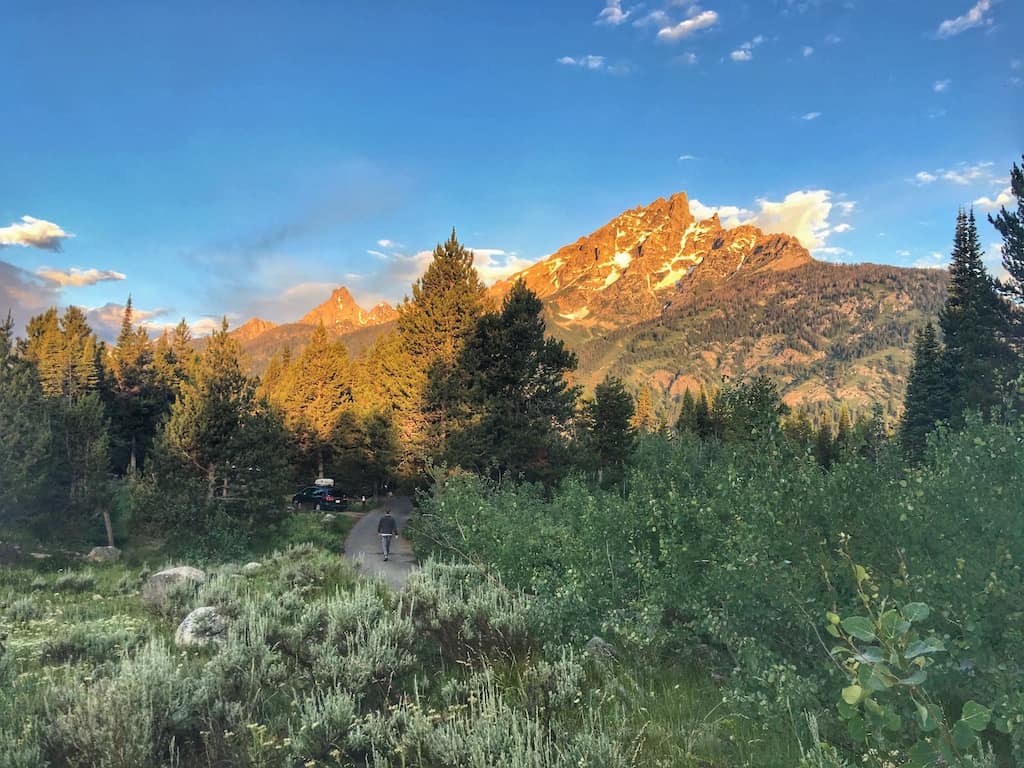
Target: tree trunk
<point>211,480</point>
<point>109,527</point>
<point>320,463</point>
<point>131,458</point>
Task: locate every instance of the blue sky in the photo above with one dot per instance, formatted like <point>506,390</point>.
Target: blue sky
<point>243,159</point>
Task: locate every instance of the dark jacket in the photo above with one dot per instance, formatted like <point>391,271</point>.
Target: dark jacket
<point>387,524</point>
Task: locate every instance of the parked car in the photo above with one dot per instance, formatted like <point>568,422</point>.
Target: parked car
<point>321,498</point>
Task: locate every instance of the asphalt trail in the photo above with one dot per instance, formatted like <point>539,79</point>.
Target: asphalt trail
<point>363,543</point>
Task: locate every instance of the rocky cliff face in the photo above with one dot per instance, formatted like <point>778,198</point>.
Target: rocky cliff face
<point>250,329</point>
<point>634,266</point>
<point>341,314</point>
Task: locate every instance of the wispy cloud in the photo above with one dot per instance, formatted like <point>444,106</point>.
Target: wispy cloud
<point>810,116</point>
<point>653,19</point>
<point>941,86</point>
<point>687,157</point>
<point>833,39</point>
<point>903,254</point>
<point>746,51</point>
<point>933,260</point>
<point>977,16</point>
<point>593,63</point>
<point>685,28</point>
<point>385,243</point>
<point>33,233</point>
<point>807,51</point>
<point>964,174</point>
<point>78,277</point>
<point>612,14</point>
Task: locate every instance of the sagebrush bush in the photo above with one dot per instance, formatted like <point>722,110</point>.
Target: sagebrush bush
<point>75,581</point>
<point>93,641</point>
<point>23,610</point>
<point>128,720</point>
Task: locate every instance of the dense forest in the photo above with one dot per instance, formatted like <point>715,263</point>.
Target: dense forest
<point>605,583</point>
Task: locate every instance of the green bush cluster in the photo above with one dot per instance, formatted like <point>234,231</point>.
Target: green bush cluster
<point>729,555</point>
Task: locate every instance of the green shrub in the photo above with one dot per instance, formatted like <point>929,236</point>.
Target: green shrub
<point>96,642</point>
<point>23,610</point>
<point>82,581</point>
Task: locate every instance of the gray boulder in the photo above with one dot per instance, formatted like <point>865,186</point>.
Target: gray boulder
<point>328,518</point>
<point>200,628</point>
<point>252,567</point>
<point>159,588</point>
<point>104,555</point>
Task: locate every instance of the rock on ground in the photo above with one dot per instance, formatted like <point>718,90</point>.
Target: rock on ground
<point>201,627</point>
<point>158,587</point>
<point>252,567</point>
<point>104,555</point>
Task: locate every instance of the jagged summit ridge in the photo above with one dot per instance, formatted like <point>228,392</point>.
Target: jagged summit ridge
<point>341,313</point>
<point>632,266</point>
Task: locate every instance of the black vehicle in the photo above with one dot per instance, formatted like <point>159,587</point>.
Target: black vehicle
<point>321,498</point>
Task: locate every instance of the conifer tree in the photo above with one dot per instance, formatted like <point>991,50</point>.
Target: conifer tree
<point>643,417</point>
<point>313,394</point>
<point>927,398</point>
<point>975,327</point>
<point>512,399</point>
<point>24,432</point>
<point>823,441</point>
<point>610,430</point>
<point>446,303</point>
<point>136,400</point>
<point>221,434</point>
<point>1010,225</point>
<point>66,355</point>
<point>844,430</point>
<point>687,421</point>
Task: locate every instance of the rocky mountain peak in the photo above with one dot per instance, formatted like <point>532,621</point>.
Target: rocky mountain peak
<point>252,328</point>
<point>341,313</point>
<point>640,261</point>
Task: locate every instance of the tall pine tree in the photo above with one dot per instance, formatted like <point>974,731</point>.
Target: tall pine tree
<point>610,431</point>
<point>1011,227</point>
<point>975,327</point>
<point>447,301</point>
<point>514,402</point>
<point>927,398</point>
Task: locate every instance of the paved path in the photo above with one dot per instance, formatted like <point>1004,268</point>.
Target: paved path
<point>364,543</point>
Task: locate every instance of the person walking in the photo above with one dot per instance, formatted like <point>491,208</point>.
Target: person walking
<point>386,529</point>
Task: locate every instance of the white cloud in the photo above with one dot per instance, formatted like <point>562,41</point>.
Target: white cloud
<point>1004,198</point>
<point>745,51</point>
<point>975,17</point>
<point>78,277</point>
<point>687,157</point>
<point>811,116</point>
<point>34,233</point>
<point>807,51</point>
<point>903,254</point>
<point>385,243</point>
<point>965,174</point>
<point>612,14</point>
<point>687,27</point>
<point>689,57</point>
<point>833,39</point>
<point>941,86</point>
<point>802,214</point>
<point>831,253</point>
<point>730,215</point>
<point>494,264</point>
<point>923,177</point>
<point>654,18</point>
<point>590,61</point>
<point>1015,64</point>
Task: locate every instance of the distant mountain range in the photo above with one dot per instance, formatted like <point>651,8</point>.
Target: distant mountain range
<point>663,299</point>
